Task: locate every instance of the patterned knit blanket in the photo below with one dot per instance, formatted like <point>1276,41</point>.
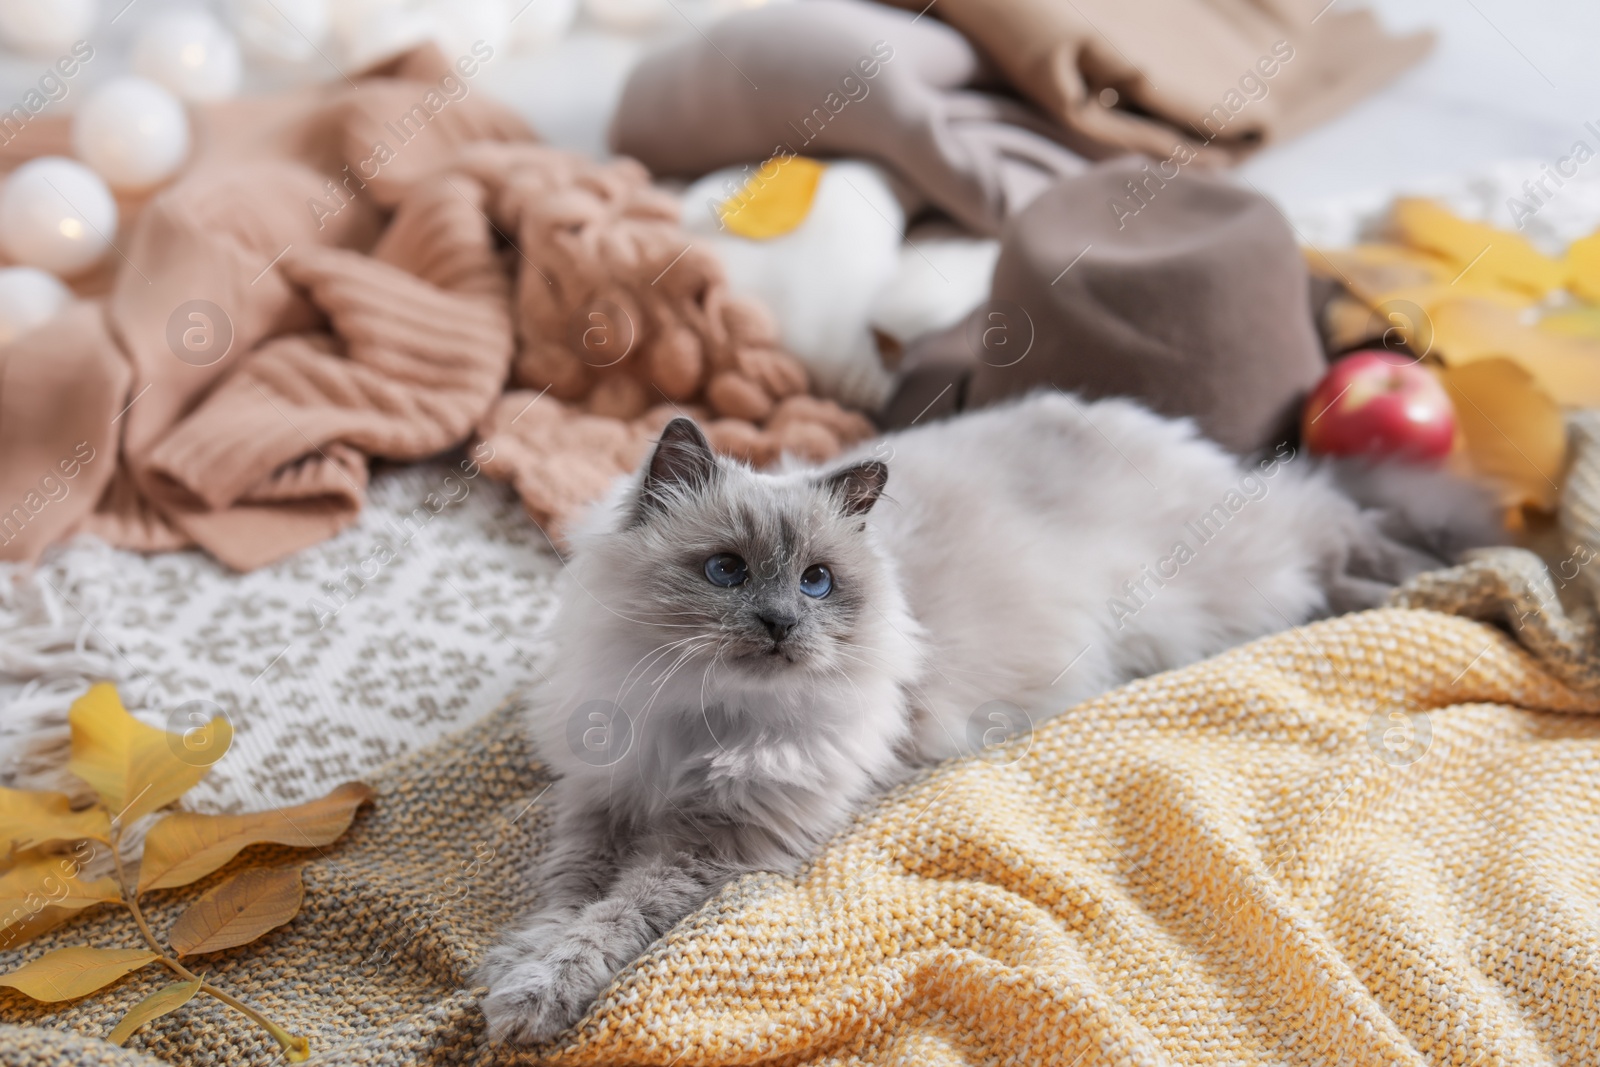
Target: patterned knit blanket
<point>1372,840</point>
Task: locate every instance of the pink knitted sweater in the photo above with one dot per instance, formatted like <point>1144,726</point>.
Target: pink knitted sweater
<point>377,271</point>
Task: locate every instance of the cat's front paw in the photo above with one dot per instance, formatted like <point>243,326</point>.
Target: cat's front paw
<point>526,1006</point>
<point>537,997</point>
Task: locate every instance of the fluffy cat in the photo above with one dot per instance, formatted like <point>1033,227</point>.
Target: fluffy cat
<point>781,646</point>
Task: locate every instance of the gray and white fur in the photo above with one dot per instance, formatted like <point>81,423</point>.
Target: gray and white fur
<point>1036,554</point>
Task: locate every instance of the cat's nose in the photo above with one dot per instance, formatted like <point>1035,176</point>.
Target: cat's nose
<point>778,625</point>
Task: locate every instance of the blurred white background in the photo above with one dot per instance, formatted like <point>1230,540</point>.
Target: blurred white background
<point>1508,79</point>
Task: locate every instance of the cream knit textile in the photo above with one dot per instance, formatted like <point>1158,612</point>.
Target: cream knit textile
<point>1225,864</point>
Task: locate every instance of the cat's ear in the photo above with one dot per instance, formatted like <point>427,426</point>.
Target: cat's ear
<point>682,462</point>
<point>857,488</point>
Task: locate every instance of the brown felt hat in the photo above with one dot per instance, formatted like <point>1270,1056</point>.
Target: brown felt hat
<point>1141,279</point>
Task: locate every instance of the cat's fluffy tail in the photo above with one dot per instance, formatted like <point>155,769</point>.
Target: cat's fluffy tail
<point>1412,519</point>
<point>1426,508</point>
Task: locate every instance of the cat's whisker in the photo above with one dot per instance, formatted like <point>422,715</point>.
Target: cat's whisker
<point>660,685</point>
<point>659,650</point>
<point>848,680</point>
<point>684,649</point>
<point>705,715</point>
<point>630,685</point>
<point>655,655</point>
<point>856,656</point>
<point>647,616</point>
<point>678,665</point>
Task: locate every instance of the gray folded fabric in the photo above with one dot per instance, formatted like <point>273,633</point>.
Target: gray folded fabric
<point>1183,291</point>
<point>840,78</point>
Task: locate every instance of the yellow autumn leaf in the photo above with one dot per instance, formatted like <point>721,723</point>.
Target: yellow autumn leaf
<point>69,973</point>
<point>1513,430</point>
<point>167,999</point>
<point>1428,297</point>
<point>1583,267</point>
<point>1404,318</point>
<point>135,768</point>
<point>26,926</point>
<point>1372,271</point>
<point>1566,368</point>
<point>43,880</point>
<point>775,200</point>
<point>238,911</point>
<point>1581,321</point>
<point>1476,249</point>
<point>186,846</point>
<point>29,818</point>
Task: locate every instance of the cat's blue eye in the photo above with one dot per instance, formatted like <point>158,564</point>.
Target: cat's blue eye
<point>817,581</point>
<point>726,569</point>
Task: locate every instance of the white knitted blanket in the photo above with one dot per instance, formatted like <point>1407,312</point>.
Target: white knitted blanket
<point>328,664</point>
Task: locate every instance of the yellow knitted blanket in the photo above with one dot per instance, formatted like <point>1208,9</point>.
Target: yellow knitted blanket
<point>1375,840</point>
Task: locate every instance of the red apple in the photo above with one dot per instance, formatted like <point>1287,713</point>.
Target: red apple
<point>1380,403</point>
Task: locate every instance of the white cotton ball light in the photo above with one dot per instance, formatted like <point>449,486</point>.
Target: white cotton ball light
<point>281,31</point>
<point>56,214</point>
<point>45,27</point>
<point>132,132</point>
<point>28,297</point>
<point>190,53</point>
